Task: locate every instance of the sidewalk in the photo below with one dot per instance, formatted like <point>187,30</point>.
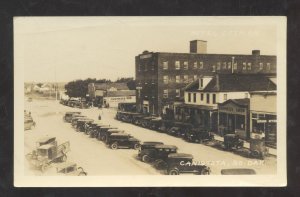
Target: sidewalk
<point>272,151</point>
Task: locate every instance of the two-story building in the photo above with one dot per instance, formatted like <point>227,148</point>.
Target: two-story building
<point>201,97</point>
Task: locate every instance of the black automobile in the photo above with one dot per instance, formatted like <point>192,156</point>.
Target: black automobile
<point>107,133</point>
<point>81,124</point>
<point>75,118</point>
<point>155,124</point>
<point>232,141</point>
<point>89,127</point>
<point>179,129</point>
<point>80,120</point>
<point>145,121</point>
<point>122,140</point>
<point>165,125</point>
<point>179,163</point>
<point>198,135</point>
<point>100,135</point>
<point>156,153</point>
<point>95,132</point>
<point>68,116</point>
<point>137,119</point>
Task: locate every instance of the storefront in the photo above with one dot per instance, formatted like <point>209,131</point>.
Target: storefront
<point>233,117</point>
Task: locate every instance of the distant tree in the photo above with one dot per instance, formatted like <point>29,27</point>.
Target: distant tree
<point>39,84</point>
<point>129,81</point>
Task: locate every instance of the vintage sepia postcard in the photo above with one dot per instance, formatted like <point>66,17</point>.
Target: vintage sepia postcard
<point>133,101</point>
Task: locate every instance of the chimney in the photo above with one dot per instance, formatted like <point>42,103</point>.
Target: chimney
<point>198,46</point>
<point>256,52</point>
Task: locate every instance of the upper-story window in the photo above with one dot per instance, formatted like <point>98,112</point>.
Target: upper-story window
<point>214,99</point>
<point>185,65</point>
<point>177,65</point>
<point>195,66</point>
<point>249,66</point>
<point>225,97</point>
<point>189,97</point>
<point>268,66</point>
<point>166,79</point>
<point>214,68</point>
<point>201,65</point>
<point>185,78</point>
<point>218,65</point>
<point>201,96</point>
<point>195,77</point>
<point>207,98</point>
<point>146,67</point>
<point>177,92</point>
<point>177,78</point>
<point>195,97</point>
<point>166,93</point>
<point>244,65</point>
<point>261,65</point>
<point>165,65</point>
<point>140,68</point>
<point>235,66</point>
<point>229,65</point>
<point>224,65</point>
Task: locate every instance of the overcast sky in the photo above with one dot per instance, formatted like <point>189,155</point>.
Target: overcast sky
<point>105,47</point>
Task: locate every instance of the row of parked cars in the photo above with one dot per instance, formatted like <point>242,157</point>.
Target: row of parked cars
<point>76,103</point>
<point>163,157</point>
<point>191,134</point>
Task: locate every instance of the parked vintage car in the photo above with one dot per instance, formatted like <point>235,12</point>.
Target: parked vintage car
<point>177,163</point>
<point>179,129</point>
<point>137,119</point>
<point>128,107</point>
<point>238,171</point>
<point>46,140</point>
<point>120,140</point>
<point>165,125</point>
<point>157,152</point>
<point>29,124</point>
<point>68,116</point>
<point>232,141</point>
<point>70,169</point>
<point>198,135</point>
<point>155,124</point>
<point>45,154</point>
<point>146,121</point>
<point>81,123</point>
<point>108,132</point>
<point>101,131</point>
<point>89,127</point>
<point>75,119</point>
<point>258,148</point>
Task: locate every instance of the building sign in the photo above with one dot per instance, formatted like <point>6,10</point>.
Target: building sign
<point>265,121</point>
<point>229,109</point>
<point>145,56</point>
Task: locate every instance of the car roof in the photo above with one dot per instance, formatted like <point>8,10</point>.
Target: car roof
<point>152,143</point>
<point>113,130</point>
<point>165,146</point>
<point>46,146</point>
<point>237,171</point>
<point>180,155</point>
<point>45,139</point>
<point>119,134</point>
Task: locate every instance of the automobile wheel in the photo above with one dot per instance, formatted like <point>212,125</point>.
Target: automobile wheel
<point>136,146</point>
<point>174,172</point>
<point>145,158</point>
<point>255,154</point>
<point>114,146</point>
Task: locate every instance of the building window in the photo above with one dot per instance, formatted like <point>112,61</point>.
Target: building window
<point>195,65</point>
<point>261,65</point>
<point>189,97</point>
<point>201,83</point>
<point>225,97</point>
<point>218,65</point>
<point>166,79</point>
<point>140,68</point>
<point>224,65</point>
<point>268,66</point>
<point>207,98</point>
<point>202,96</point>
<point>177,79</point>
<point>195,77</point>
<point>146,67</point>
<point>185,78</point>
<point>165,65</point>
<point>235,66</point>
<point>195,97</point>
<point>201,65</point>
<point>177,92</point>
<point>185,65</point>
<point>166,93</point>
<point>240,122</point>
<point>249,66</point>
<point>214,99</point>
<point>213,68</point>
<point>229,65</point>
<point>177,65</point>
<point>244,65</point>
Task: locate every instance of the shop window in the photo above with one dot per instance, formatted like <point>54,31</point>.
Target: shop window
<point>201,65</point>
<point>166,79</point>
<point>189,97</point>
<point>195,97</point>
<point>185,65</point>
<point>195,65</point>
<point>177,78</point>
<point>225,97</point>
<point>165,65</point>
<point>222,119</point>
<point>207,98</point>
<point>166,93</point>
<point>201,96</point>
<point>214,99</point>
<point>177,92</point>
<point>240,122</point>
<point>177,65</point>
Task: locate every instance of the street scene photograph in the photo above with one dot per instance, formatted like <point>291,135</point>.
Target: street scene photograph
<point>142,96</point>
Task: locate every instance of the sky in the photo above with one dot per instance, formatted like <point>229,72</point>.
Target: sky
<point>68,48</point>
